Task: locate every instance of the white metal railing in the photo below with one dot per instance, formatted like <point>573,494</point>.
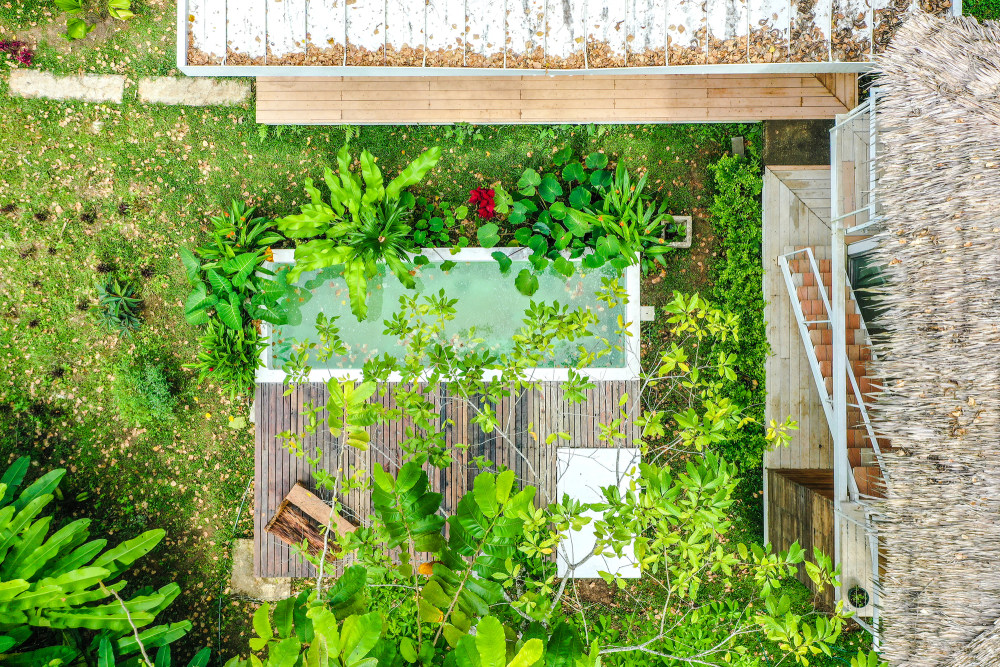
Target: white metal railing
<point>828,403</point>
<point>855,133</point>
<point>854,385</point>
<point>860,121</point>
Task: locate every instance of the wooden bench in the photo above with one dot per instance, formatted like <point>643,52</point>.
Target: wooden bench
<point>439,100</point>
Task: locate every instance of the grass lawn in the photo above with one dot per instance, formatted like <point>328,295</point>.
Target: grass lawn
<point>89,191</point>
<point>93,190</point>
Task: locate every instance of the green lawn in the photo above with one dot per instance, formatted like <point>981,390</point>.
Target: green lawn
<point>88,191</point>
<point>95,190</point>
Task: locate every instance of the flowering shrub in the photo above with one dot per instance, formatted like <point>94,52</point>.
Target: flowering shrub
<point>484,198</point>
<point>19,51</point>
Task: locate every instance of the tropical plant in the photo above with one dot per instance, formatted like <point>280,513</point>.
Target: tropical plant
<point>229,357</point>
<point>736,221</point>
<point>77,26</point>
<point>364,225</point>
<point>236,231</point>
<point>118,306</point>
<point>671,513</point>
<point>306,632</point>
<point>143,389</point>
<point>580,207</point>
<point>67,583</point>
<point>232,284</point>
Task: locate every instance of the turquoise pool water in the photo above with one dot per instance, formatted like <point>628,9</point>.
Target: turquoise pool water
<point>487,300</point>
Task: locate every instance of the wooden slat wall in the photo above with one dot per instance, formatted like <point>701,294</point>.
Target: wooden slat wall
<point>798,513</point>
<point>796,213</point>
<point>527,420</point>
<point>541,99</point>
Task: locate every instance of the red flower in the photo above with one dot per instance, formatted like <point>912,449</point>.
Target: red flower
<point>24,57</point>
<point>484,200</point>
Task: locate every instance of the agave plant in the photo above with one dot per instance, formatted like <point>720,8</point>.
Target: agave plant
<point>365,223</point>
<point>118,306</point>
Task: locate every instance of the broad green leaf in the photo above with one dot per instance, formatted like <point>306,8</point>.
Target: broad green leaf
<point>374,190</point>
<point>562,156</point>
<point>488,235</point>
<point>597,161</point>
<point>116,560</point>
<point>579,197</point>
<point>357,288</point>
<point>219,283</point>
<point>574,172</point>
<point>549,189</point>
<point>529,654</point>
<point>105,654</point>
<point>413,173</point>
<point>578,222</point>
<point>358,635</point>
<point>191,264</point>
<point>526,282</point>
<point>230,312</point>
<point>242,266</point>
<point>503,260</point>
<point>563,266</point>
<point>490,642</point>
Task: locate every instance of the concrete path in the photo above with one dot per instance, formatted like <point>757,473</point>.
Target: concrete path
<point>187,91</point>
<point>84,87</point>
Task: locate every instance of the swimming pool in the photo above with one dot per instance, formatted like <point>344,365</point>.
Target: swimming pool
<point>486,299</point>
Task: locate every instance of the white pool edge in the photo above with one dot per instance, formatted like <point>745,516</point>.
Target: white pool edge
<point>632,351</point>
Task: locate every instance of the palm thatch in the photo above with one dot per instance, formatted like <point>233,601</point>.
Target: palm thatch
<point>939,118</point>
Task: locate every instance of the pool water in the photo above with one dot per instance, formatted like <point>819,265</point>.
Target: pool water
<point>486,300</point>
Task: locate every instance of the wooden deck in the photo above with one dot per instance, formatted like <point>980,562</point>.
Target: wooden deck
<point>564,99</point>
<point>796,213</point>
<point>528,420</point>
<point>800,508</point>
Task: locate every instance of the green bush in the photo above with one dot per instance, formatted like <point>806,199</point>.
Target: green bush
<point>736,220</point>
<point>984,10</point>
<point>144,390</point>
<point>118,306</point>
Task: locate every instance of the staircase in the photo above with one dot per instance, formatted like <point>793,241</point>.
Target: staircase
<point>808,277</point>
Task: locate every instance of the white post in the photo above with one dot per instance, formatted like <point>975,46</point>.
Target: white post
<point>838,297</point>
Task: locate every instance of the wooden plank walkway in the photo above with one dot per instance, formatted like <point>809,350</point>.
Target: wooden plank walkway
<point>796,214</point>
<point>564,99</point>
<point>527,421</point>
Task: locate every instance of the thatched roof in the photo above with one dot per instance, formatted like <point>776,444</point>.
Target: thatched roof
<point>940,190</point>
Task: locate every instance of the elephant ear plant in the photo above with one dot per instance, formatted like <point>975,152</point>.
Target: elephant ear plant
<point>586,210</point>
<point>231,292</point>
<point>364,225</point>
<point>70,586</point>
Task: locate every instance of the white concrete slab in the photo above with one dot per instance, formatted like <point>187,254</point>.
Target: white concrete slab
<point>207,29</point>
<point>606,33</point>
<point>246,32</point>
<point>445,33</point>
<point>525,33</point>
<point>582,473</point>
<point>686,32</point>
<point>286,31</point>
<point>366,32</point>
<point>566,35</point>
<point>484,35</point>
<point>193,91</point>
<point>646,36</point>
<point>33,83</point>
<point>326,31</point>
<point>404,32</point>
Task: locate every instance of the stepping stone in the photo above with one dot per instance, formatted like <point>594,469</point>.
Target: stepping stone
<point>243,581</point>
<point>193,91</point>
<point>83,87</point>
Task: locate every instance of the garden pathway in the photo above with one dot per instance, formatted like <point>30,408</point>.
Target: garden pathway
<point>98,88</point>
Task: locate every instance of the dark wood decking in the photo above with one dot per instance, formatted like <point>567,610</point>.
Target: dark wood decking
<point>545,410</point>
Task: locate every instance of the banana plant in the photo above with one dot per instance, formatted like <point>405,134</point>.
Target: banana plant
<point>66,582</point>
<point>364,225</point>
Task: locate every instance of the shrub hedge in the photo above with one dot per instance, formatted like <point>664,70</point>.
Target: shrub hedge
<point>738,287</point>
